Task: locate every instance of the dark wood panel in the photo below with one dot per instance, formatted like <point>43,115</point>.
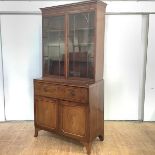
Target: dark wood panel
<point>62,92</point>
<point>100,26</point>
<point>62,81</point>
<point>46,112</point>
<point>96,103</point>
<point>70,8</point>
<point>73,119</point>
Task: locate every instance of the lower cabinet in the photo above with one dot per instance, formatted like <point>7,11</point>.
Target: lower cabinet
<point>73,119</point>
<point>70,116</point>
<point>46,112</point>
<point>68,110</point>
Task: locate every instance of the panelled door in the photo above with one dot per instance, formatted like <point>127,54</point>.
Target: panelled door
<point>73,119</point>
<point>46,112</point>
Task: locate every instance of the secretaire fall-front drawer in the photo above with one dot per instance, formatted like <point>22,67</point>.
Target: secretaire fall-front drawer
<point>64,92</point>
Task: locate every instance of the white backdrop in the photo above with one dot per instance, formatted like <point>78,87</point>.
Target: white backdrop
<point>122,66</point>
<point>21,35</point>
<point>149,106</point>
<point>1,88</point>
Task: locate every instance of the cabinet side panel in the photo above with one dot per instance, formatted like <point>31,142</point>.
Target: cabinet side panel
<point>96,101</point>
<point>100,26</point>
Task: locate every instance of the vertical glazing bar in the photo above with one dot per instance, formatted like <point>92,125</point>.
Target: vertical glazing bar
<point>74,48</point>
<point>48,41</point>
<point>48,60</point>
<point>88,43</point>
<point>59,51</point>
<point>87,61</point>
<point>43,41</point>
<point>80,54</point>
<point>66,46</point>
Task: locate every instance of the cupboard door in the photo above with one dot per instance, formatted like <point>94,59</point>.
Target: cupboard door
<point>73,119</point>
<point>46,112</point>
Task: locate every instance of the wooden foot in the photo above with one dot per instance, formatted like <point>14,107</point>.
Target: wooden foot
<point>36,132</point>
<point>101,137</point>
<point>88,147</point>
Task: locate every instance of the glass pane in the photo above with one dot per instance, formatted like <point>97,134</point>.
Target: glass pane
<point>53,45</point>
<point>81,45</point>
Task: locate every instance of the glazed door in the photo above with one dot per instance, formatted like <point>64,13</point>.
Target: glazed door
<point>73,119</point>
<point>53,46</point>
<point>46,112</point>
<point>81,43</point>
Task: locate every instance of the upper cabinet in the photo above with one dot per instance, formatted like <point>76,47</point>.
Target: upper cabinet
<point>73,41</point>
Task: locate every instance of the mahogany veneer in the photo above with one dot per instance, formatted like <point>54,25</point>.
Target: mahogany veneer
<point>68,99</point>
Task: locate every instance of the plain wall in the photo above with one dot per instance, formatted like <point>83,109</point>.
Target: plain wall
<point>21,35</point>
<point>149,106</point>
<point>1,87</point>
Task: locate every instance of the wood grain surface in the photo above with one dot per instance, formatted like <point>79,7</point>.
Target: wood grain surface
<point>121,138</point>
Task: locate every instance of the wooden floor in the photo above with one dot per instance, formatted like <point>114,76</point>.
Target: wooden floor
<point>121,138</point>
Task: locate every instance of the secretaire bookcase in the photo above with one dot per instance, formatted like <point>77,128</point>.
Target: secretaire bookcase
<point>69,98</point>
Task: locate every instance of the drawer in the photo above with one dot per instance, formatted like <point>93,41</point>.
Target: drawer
<point>64,92</point>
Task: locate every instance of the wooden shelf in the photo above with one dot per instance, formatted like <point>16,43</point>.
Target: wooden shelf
<point>56,45</point>
<point>82,44</point>
<point>82,29</point>
<point>55,30</point>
